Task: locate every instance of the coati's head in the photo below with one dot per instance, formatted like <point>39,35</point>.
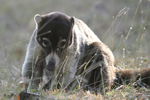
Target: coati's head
<point>54,34</point>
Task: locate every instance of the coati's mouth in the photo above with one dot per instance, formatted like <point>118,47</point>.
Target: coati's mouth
<point>52,61</point>
<point>51,65</point>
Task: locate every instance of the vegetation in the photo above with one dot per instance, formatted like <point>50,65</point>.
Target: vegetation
<point>123,25</point>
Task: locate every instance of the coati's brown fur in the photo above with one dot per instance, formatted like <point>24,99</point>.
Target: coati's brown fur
<point>66,47</point>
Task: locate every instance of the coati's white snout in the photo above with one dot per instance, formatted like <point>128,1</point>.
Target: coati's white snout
<point>52,61</point>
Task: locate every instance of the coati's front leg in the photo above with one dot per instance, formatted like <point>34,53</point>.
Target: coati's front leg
<point>33,64</point>
<point>37,70</point>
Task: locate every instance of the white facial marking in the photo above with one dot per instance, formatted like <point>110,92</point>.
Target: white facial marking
<point>54,57</point>
<point>45,39</point>
<point>57,49</point>
<point>39,39</point>
<point>62,43</point>
<point>46,42</point>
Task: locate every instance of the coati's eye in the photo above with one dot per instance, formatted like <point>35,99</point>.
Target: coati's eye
<point>62,43</point>
<point>46,42</point>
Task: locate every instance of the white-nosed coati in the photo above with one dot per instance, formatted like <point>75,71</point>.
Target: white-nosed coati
<point>63,50</point>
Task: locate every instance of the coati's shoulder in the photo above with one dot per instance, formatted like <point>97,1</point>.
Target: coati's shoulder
<point>85,32</point>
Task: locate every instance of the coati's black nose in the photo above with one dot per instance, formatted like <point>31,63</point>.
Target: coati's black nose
<point>51,66</point>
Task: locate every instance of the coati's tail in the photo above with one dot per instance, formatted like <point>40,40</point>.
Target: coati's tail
<point>126,76</point>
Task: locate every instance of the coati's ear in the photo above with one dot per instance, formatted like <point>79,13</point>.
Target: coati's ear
<point>37,18</point>
<point>72,20</point>
<point>70,36</point>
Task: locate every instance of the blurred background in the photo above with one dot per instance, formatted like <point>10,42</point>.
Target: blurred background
<point>124,25</point>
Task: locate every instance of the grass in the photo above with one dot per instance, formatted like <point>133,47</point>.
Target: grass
<point>122,25</point>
